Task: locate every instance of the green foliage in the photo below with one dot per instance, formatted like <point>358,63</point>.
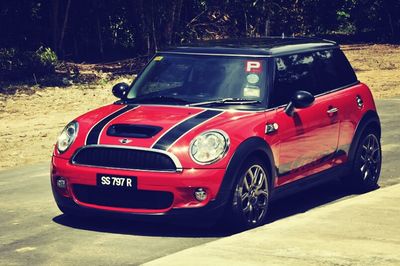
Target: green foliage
<point>46,57</point>
<point>16,64</point>
<point>101,29</point>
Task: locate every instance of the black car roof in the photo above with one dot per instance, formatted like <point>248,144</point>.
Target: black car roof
<point>268,46</point>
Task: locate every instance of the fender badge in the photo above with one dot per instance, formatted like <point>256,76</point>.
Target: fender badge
<point>270,128</point>
<point>125,141</point>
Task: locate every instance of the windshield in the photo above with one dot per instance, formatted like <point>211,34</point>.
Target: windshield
<point>196,79</point>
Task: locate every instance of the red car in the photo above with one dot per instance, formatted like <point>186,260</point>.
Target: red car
<point>219,129</point>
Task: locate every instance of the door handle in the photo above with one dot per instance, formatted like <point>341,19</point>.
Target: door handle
<point>332,110</point>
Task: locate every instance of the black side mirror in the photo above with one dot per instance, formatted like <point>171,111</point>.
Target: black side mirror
<point>300,100</point>
<point>120,90</point>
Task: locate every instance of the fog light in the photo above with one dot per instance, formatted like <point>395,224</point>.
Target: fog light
<point>61,183</point>
<point>200,194</point>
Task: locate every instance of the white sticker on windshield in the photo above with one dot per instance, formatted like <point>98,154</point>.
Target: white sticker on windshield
<point>252,92</point>
<point>253,78</point>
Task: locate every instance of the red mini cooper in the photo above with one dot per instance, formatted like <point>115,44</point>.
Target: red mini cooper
<point>219,129</point>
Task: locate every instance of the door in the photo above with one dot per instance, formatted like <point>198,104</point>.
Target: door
<point>309,138</point>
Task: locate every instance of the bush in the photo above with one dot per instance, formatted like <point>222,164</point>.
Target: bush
<point>15,64</point>
<point>47,58</point>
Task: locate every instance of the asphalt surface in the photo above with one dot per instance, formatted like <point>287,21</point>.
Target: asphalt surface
<point>33,231</point>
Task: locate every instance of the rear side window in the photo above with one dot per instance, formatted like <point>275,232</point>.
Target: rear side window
<point>293,73</point>
<point>332,71</point>
<point>317,72</point>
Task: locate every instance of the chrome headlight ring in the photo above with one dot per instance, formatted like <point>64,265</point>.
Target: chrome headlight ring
<point>67,136</point>
<point>209,146</point>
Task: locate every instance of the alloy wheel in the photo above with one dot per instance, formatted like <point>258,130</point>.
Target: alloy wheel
<point>254,194</point>
<point>370,158</point>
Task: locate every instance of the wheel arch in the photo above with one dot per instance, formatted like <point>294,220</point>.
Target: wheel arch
<point>253,146</point>
<point>370,120</point>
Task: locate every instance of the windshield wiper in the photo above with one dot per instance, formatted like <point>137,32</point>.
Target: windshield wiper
<point>159,98</point>
<point>227,101</point>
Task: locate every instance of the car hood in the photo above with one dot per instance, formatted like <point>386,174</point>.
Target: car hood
<point>162,127</point>
<point>145,126</point>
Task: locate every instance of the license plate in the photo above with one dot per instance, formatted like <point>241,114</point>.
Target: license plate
<point>116,181</point>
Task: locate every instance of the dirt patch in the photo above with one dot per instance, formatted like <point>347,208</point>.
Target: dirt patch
<point>30,122</point>
<point>32,118</point>
<point>377,66</point>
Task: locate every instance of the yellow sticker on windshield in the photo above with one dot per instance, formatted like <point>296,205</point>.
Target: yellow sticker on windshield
<point>158,58</point>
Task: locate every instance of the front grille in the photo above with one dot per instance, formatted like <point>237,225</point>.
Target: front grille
<point>124,158</point>
<point>123,198</point>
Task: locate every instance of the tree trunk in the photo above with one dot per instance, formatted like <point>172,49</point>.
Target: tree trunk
<point>60,46</point>
<point>101,49</point>
<point>54,23</point>
<point>141,29</point>
<point>267,22</point>
<point>173,18</point>
<point>155,45</point>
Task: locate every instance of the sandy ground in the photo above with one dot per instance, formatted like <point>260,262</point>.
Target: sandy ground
<point>378,66</point>
<point>30,123</point>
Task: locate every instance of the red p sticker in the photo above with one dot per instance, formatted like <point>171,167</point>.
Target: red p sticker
<point>253,66</point>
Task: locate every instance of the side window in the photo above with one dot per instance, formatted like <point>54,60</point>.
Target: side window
<point>332,70</point>
<point>293,73</point>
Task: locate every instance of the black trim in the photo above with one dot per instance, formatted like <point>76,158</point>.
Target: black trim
<point>287,168</point>
<point>208,214</point>
<point>133,131</point>
<point>369,118</point>
<point>253,145</point>
<point>175,133</point>
<point>118,157</point>
<point>93,135</point>
<point>269,46</point>
<point>310,181</point>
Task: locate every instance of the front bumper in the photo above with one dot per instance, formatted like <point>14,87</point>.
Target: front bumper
<point>180,184</point>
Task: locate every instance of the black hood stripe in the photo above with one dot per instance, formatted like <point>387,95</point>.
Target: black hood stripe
<point>94,133</point>
<point>176,132</point>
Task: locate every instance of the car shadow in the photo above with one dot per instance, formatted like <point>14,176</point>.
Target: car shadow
<point>297,203</point>
<point>140,228</point>
<point>303,201</point>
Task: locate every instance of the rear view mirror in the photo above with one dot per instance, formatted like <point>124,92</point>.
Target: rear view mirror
<point>300,100</point>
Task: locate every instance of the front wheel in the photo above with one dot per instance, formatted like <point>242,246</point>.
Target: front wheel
<point>367,163</point>
<point>250,200</point>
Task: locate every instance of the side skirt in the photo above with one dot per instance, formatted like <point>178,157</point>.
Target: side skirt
<point>310,181</point>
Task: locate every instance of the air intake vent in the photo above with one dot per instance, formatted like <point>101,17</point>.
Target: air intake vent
<point>133,131</point>
<point>135,199</point>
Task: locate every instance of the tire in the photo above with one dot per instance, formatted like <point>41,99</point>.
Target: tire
<point>250,200</point>
<point>366,165</point>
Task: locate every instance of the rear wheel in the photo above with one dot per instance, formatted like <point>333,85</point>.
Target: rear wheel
<point>366,167</point>
<point>250,200</point>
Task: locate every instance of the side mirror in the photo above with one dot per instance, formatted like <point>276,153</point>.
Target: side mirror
<point>120,90</point>
<point>300,100</point>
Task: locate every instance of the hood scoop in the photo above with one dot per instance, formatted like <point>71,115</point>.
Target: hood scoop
<point>133,131</point>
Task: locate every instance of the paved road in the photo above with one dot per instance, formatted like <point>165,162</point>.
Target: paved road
<point>32,230</point>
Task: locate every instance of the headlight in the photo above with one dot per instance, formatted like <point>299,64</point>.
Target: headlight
<point>67,136</point>
<point>209,146</point>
